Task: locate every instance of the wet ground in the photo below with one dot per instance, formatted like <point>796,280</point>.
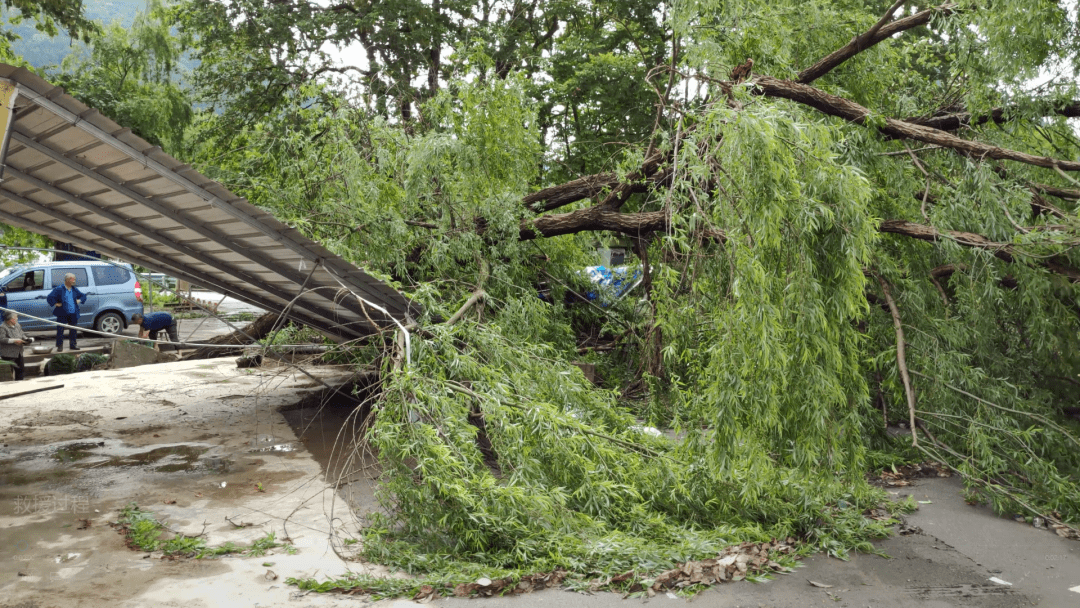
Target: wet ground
<point>202,445</point>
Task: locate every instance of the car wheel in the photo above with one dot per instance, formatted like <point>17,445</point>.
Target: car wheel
<point>110,323</point>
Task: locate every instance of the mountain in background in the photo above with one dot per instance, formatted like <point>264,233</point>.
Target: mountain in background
<point>39,50</point>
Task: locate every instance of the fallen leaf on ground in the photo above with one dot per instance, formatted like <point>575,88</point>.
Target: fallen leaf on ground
<point>425,594</point>
<point>821,585</point>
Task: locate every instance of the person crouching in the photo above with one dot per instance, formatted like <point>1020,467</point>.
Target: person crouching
<point>12,340</point>
<point>154,322</point>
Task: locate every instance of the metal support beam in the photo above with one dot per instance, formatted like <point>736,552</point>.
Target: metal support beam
<point>164,263</point>
<point>131,225</point>
<point>175,215</point>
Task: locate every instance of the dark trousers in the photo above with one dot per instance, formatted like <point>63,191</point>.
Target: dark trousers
<point>70,319</point>
<point>173,334</point>
<point>20,365</point>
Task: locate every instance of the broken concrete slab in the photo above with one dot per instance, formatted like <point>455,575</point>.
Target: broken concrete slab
<point>126,353</point>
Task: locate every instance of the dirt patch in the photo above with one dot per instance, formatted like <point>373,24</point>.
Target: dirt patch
<point>56,418</point>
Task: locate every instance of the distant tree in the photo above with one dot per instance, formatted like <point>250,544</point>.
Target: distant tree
<point>133,75</point>
<point>49,16</point>
<point>586,62</point>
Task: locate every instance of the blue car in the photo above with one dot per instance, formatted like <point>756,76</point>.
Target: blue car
<point>112,293</point>
<point>601,284</point>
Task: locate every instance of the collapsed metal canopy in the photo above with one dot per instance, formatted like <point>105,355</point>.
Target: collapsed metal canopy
<point>72,174</point>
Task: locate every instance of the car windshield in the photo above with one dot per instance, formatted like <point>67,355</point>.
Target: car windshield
<point>10,270</point>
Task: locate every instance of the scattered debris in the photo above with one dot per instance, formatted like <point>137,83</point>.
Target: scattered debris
<point>733,564</point>
<point>904,475</point>
<point>906,529</point>
<point>878,514</point>
<point>994,579</point>
<point>1066,532</point>
<point>270,575</point>
<point>819,585</point>
<point>426,594</point>
<point>503,586</point>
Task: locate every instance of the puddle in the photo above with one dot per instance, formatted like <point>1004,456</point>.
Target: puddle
<point>163,459</point>
<point>332,432</point>
<point>76,451</point>
<point>87,460</point>
<point>277,447</point>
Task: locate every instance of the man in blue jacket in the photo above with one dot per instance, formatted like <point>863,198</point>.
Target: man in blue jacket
<point>64,300</point>
<point>154,322</point>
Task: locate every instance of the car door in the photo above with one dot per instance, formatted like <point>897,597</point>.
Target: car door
<point>26,294</point>
<point>82,281</point>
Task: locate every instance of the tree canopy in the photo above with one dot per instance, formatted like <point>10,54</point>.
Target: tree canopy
<point>872,227</point>
<point>49,16</point>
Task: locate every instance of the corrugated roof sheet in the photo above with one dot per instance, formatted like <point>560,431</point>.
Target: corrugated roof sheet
<point>72,174</point>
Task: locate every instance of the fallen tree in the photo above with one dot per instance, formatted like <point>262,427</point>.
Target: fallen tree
<point>815,268</point>
<point>250,334</point>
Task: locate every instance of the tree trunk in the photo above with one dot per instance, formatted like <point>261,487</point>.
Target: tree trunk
<point>258,329</point>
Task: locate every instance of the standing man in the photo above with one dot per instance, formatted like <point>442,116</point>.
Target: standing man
<point>12,340</point>
<point>153,322</point>
<point>64,301</point>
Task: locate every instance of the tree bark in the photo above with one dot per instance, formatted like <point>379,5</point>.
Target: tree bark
<point>1003,251</point>
<point>874,35</point>
<point>853,112</point>
<point>959,120</point>
<point>593,218</point>
<point>258,329</point>
<point>647,177</point>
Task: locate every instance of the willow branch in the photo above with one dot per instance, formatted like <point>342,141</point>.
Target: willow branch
<point>879,32</point>
<point>1062,193</point>
<point>647,176</point>
<point>855,113</point>
<point>1032,415</point>
<point>476,296</point>
<point>958,120</point>
<point>1002,251</point>
<point>593,218</point>
<point>901,358</point>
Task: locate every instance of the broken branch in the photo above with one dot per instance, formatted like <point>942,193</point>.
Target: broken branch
<point>901,358</point>
<point>880,31</point>
<point>852,112</point>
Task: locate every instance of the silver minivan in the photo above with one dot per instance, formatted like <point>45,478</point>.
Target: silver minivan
<point>112,293</point>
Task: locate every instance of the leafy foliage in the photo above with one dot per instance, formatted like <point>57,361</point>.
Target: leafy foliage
<point>144,531</point>
<point>48,16</point>
<point>131,75</point>
<point>788,242</point>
